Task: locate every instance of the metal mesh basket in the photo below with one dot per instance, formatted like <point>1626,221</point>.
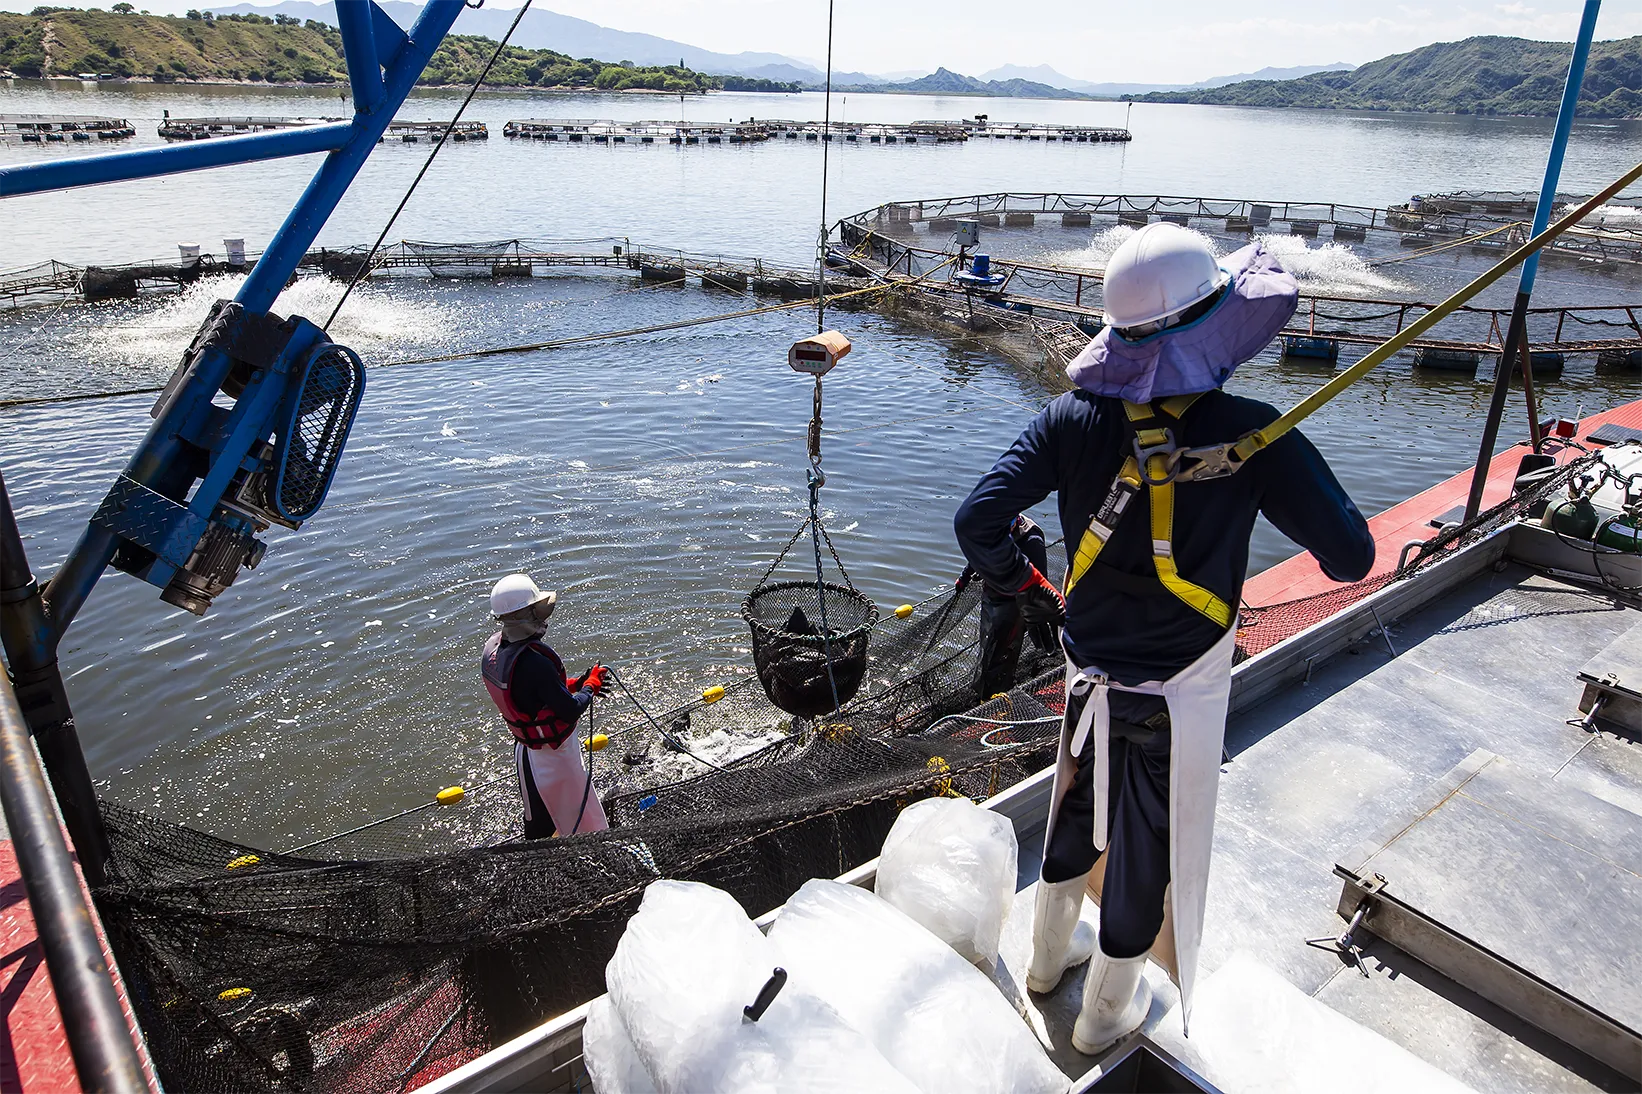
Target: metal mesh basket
<point>790,653</point>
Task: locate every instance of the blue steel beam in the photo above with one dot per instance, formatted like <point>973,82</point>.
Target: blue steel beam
<point>1559,139</point>
<point>161,449</point>
<point>356,19</point>
<point>143,163</point>
<point>1517,331</point>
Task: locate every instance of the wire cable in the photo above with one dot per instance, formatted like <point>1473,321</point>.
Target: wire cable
<point>666,735</point>
<point>826,146</point>
<point>365,266</point>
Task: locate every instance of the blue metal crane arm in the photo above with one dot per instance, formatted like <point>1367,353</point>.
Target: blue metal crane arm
<point>375,55</point>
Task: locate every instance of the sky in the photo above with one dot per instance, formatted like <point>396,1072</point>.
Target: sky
<point>1166,41</point>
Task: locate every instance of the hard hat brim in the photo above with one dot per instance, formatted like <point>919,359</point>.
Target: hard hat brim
<point>549,597</point>
<point>1222,278</point>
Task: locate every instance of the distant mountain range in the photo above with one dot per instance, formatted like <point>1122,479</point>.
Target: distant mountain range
<point>1043,74</point>
<point>1488,75</point>
<point>542,29</point>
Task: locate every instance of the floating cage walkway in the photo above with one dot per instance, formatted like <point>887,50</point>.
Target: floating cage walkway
<point>62,128</point>
<point>499,259</point>
<point>407,132</point>
<point>752,131</point>
<point>1598,247</point>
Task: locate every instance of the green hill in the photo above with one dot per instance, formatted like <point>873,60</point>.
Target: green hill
<point>65,42</point>
<point>1476,76</point>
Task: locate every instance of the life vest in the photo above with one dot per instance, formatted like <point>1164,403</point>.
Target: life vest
<point>533,728</point>
<point>1156,465</point>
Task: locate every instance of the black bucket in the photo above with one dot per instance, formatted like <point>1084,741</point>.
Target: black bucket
<point>789,652</point>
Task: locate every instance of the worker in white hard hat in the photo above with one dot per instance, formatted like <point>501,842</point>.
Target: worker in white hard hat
<point>541,705</point>
<point>1157,545</point>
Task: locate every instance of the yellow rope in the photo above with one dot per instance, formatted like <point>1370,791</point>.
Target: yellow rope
<point>1441,247</point>
<point>1260,438</point>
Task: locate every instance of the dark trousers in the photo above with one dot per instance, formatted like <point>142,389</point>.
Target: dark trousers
<point>1137,851</point>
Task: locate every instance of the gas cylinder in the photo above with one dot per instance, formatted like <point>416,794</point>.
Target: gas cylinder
<point>1622,534</point>
<point>1573,517</point>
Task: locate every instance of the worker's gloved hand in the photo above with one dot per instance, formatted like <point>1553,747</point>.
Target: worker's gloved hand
<point>594,680</point>
<point>965,578</point>
<point>1040,601</point>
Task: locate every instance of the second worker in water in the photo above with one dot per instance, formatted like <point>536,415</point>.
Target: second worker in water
<point>1157,559</point>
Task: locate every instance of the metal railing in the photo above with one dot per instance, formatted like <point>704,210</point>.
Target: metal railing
<point>98,1032</point>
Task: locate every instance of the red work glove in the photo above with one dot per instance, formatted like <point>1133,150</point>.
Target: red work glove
<point>594,680</point>
<point>1040,601</point>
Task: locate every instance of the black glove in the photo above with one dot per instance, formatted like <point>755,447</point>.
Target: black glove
<point>1040,601</point>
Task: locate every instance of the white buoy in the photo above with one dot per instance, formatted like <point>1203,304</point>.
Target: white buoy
<point>190,254</point>
<point>234,249</point>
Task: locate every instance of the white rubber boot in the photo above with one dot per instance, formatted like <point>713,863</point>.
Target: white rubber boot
<point>1116,998</point>
<point>1059,938</point>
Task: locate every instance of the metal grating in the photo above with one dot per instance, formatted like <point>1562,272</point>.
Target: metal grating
<point>312,442</point>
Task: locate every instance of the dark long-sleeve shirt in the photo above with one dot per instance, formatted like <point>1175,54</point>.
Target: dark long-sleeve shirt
<point>538,683</point>
<point>1133,632</point>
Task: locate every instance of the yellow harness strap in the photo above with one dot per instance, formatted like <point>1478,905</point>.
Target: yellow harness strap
<point>1151,434</point>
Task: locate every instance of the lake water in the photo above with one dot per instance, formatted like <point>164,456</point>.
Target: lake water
<point>649,480</point>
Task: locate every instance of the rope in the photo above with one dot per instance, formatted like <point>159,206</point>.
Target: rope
<point>364,267</point>
<point>665,735</point>
<point>1238,452</point>
<point>384,820</point>
<point>821,244</point>
<point>1439,248</point>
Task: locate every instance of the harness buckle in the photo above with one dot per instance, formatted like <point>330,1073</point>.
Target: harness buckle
<point>1170,452</point>
<point>1201,464</point>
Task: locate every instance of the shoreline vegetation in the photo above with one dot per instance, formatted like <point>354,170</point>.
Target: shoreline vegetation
<point>201,48</point>
<point>1484,76</point>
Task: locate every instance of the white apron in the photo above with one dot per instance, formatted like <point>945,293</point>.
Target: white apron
<point>1197,697</point>
<point>561,781</point>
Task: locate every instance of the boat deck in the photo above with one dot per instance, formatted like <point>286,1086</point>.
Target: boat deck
<point>1323,767</point>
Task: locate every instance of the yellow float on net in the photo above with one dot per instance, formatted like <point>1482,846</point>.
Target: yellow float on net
<point>230,995</point>
<point>903,611</point>
<point>596,742</point>
<point>450,795</point>
<point>244,860</point>
<point>712,694</point>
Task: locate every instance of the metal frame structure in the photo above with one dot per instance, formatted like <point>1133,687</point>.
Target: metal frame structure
<point>384,62</point>
<point>1516,342</point>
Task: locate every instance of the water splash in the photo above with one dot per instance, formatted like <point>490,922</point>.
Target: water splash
<point>1328,268</point>
<point>1619,216</point>
<point>374,320</point>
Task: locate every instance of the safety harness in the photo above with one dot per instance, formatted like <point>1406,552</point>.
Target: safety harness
<point>1156,463</point>
<point>534,728</point>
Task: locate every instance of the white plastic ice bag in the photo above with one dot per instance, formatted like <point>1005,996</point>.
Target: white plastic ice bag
<point>687,964</point>
<point>935,1016</point>
<point>612,1061</point>
<point>950,865</point>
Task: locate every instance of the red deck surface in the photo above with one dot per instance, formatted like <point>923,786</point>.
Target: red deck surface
<point>34,1052</point>
<point>1300,576</point>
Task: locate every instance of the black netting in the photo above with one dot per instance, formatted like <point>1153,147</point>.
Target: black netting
<point>799,660</point>
<point>318,430</point>
<point>366,964</point>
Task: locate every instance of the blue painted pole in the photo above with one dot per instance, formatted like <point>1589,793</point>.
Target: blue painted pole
<point>160,450</point>
<point>354,18</point>
<point>143,163</point>
<point>1516,332</point>
<point>337,173</point>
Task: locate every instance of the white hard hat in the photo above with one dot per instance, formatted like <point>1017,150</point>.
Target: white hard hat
<point>1160,270</point>
<point>516,592</point>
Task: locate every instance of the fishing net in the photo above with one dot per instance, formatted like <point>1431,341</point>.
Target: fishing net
<point>1260,628</point>
<point>361,965</point>
<point>369,965</point>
